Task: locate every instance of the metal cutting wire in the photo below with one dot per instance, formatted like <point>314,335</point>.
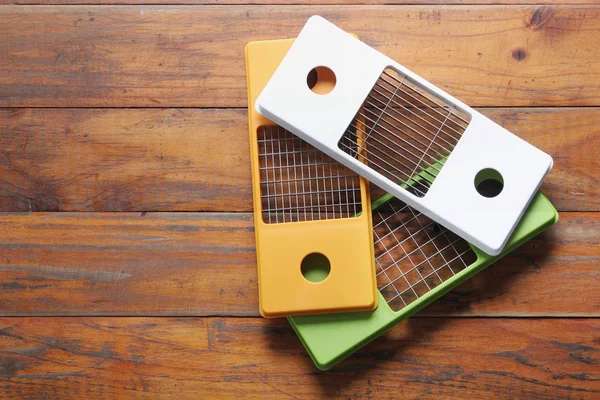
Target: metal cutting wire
<point>407,131</point>
<point>300,183</point>
<point>414,254</point>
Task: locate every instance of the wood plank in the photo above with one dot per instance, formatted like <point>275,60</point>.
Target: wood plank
<point>294,2</point>
<point>196,358</point>
<point>124,160</point>
<point>203,264</point>
<point>198,159</point>
<point>128,264</point>
<point>192,56</point>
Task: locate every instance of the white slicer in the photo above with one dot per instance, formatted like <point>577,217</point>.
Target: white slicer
<point>405,135</point>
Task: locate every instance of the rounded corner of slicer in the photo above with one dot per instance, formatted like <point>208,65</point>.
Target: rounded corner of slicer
<point>374,302</point>
<point>550,162</point>
<point>556,217</point>
<point>493,249</point>
<point>265,312</point>
<point>316,19</point>
<point>258,107</point>
<point>322,364</point>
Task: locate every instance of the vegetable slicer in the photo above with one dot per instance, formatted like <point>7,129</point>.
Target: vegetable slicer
<point>308,215</point>
<point>418,261</point>
<point>389,125</point>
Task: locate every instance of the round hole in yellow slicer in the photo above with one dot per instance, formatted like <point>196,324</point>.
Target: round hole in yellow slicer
<point>315,267</point>
<point>489,182</point>
<point>321,80</point>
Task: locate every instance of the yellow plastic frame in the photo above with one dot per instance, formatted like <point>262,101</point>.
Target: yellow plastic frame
<point>281,247</point>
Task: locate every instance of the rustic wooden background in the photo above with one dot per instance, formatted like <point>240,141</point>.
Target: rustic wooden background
<point>127,264</point>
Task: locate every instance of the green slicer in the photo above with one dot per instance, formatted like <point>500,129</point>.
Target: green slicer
<point>417,261</point>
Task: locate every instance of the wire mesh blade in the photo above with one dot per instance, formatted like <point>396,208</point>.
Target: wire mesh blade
<point>414,254</point>
<point>407,131</point>
<point>300,183</point>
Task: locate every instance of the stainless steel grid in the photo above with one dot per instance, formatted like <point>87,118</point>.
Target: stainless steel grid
<point>407,131</point>
<point>413,254</point>
<point>300,183</point>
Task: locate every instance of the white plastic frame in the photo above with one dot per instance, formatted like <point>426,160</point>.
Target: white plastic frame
<point>452,199</point>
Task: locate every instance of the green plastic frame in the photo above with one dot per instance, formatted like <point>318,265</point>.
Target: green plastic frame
<point>333,337</point>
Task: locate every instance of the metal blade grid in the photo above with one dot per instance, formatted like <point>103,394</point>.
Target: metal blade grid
<point>407,131</point>
<point>414,254</point>
<point>300,183</point>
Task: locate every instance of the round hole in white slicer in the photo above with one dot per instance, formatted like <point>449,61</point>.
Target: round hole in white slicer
<point>321,80</point>
<point>489,182</point>
<point>315,267</point>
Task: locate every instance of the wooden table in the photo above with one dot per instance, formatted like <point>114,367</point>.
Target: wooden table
<point>127,254</point>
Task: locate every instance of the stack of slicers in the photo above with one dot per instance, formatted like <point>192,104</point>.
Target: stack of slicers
<point>328,115</point>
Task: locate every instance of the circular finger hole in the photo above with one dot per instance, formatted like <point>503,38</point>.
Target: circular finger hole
<point>489,182</point>
<point>321,80</point>
<point>315,267</point>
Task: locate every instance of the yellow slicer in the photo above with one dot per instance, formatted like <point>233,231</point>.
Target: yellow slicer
<point>314,243</point>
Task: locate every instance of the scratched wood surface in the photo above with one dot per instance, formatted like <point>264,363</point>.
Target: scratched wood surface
<point>204,264</point>
<point>198,159</point>
<point>193,56</point>
<point>127,254</point>
<point>297,2</point>
<point>192,358</point>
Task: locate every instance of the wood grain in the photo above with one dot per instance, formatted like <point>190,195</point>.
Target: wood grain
<point>203,264</point>
<point>128,264</point>
<point>191,358</point>
<point>168,56</point>
<point>124,160</point>
<point>198,159</point>
<point>130,304</point>
<point>296,2</point>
